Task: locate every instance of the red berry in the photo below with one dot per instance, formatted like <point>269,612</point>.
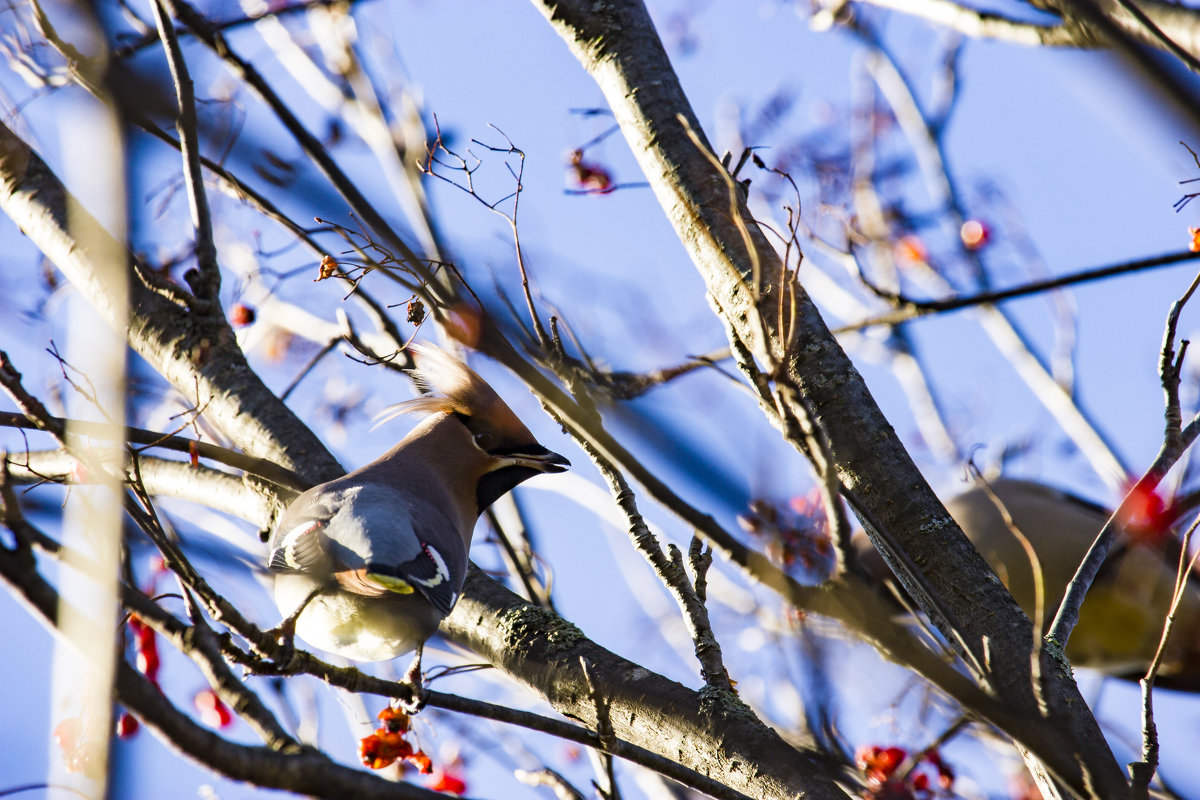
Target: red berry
<point>241,315</point>
<point>394,720</point>
<point>127,725</point>
<point>213,712</point>
<point>381,749</point>
<point>450,784</point>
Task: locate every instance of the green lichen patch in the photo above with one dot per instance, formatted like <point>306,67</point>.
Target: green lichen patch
<point>524,625</point>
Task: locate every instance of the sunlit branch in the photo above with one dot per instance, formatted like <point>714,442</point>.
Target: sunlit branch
<point>986,25</point>
<point>1164,25</point>
<point>259,467</point>
<point>215,489</point>
<point>562,788</point>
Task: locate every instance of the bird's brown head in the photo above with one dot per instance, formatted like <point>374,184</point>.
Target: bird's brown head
<point>510,452</point>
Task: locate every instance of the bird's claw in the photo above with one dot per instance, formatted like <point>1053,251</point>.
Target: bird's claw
<point>283,636</point>
<point>413,704</point>
<point>414,681</point>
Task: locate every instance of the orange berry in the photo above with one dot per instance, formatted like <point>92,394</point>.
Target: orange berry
<point>974,234</point>
<point>910,248</point>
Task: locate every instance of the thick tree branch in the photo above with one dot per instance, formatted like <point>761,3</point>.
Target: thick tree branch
<point>179,480</point>
<point>258,467</point>
<point>617,44</point>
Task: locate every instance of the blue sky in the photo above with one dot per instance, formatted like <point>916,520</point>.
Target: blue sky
<point>1090,162</point>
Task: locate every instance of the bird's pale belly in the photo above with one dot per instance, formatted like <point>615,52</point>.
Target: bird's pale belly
<point>357,627</point>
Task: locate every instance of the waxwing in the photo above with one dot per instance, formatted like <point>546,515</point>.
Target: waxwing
<point>1122,618</point>
<point>368,565</point>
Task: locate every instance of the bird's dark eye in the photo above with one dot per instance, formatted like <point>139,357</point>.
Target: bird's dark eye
<point>484,440</point>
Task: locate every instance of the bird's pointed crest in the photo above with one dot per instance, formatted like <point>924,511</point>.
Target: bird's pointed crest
<point>451,387</point>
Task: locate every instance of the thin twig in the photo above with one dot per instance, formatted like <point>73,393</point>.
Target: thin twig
<point>604,731</point>
<point>670,571</point>
<point>1175,441</point>
<point>912,309</point>
<point>460,165</point>
<point>1142,772</point>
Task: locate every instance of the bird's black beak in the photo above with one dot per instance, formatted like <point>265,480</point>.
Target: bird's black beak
<point>514,466</point>
<point>539,458</point>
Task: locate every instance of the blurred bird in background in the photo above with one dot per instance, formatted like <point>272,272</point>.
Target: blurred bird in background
<point>368,565</point>
<point>1122,618</point>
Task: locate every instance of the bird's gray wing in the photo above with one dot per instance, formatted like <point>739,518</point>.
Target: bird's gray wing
<point>420,548</point>
<point>372,539</point>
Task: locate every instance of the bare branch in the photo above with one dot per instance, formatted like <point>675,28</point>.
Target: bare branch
<point>913,309</point>
<point>689,596</point>
<point>206,282</point>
